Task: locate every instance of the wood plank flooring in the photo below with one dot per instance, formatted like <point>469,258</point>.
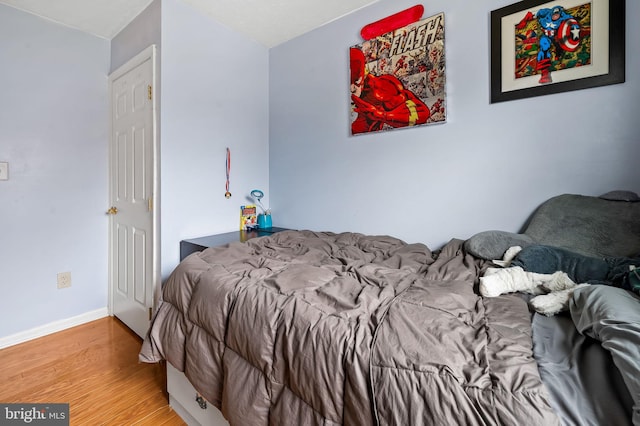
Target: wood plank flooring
<point>94,367</point>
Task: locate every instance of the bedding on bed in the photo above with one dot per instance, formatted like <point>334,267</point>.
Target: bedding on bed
<point>588,357</point>
<point>612,316</point>
<point>585,386</point>
<point>321,328</point>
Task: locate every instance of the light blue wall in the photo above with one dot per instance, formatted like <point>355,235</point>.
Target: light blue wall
<point>488,167</point>
<point>282,111</point>
<point>202,111</point>
<point>214,95</point>
<point>141,33</point>
<point>53,133</point>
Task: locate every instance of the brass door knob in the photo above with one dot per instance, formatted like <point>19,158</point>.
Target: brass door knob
<point>112,210</point>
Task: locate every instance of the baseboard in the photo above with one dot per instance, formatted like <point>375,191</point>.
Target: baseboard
<point>52,327</point>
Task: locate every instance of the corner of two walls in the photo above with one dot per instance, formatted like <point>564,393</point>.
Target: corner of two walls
<point>203,109</point>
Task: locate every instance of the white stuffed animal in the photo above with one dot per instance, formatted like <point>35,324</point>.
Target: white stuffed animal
<point>553,291</point>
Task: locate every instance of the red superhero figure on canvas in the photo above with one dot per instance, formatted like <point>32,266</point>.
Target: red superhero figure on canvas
<point>382,100</point>
<point>558,28</point>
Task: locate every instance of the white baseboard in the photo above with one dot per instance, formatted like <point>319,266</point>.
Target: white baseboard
<point>52,327</point>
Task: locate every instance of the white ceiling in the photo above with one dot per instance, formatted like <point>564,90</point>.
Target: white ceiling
<point>269,22</point>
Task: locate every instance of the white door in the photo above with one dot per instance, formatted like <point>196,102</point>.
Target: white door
<point>132,158</point>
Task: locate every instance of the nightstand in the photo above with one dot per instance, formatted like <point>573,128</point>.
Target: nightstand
<point>193,245</point>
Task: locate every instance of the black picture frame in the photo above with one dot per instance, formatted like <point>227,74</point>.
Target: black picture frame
<point>614,26</point>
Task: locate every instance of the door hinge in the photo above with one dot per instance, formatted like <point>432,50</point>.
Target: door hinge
<point>150,92</point>
<point>150,204</point>
<point>150,313</point>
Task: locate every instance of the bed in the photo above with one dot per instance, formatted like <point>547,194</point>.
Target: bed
<point>314,328</point>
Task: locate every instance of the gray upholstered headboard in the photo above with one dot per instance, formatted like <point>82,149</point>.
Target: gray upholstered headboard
<point>605,226</point>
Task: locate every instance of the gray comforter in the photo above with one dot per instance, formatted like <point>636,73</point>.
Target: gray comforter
<point>321,328</point>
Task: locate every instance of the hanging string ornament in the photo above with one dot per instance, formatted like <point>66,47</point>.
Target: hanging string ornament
<point>226,187</point>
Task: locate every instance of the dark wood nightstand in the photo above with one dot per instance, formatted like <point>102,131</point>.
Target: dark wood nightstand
<point>193,245</point>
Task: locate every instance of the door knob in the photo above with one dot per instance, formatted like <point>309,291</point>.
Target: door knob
<point>112,210</point>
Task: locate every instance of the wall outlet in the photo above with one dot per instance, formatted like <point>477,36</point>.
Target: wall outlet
<point>4,170</point>
<point>64,279</point>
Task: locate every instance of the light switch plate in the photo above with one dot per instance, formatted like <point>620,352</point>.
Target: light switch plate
<point>4,170</point>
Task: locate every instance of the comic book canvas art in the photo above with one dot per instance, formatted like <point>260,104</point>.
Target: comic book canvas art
<point>398,78</point>
<point>553,39</point>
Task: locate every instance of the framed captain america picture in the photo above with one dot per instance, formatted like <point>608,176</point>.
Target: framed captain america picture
<point>541,47</point>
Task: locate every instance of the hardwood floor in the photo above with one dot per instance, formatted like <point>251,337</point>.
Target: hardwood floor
<point>94,367</point>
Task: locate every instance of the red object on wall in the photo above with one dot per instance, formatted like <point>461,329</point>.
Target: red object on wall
<point>393,22</point>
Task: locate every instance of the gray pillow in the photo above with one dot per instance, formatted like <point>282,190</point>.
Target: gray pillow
<point>491,245</point>
<point>588,225</point>
<point>612,316</point>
